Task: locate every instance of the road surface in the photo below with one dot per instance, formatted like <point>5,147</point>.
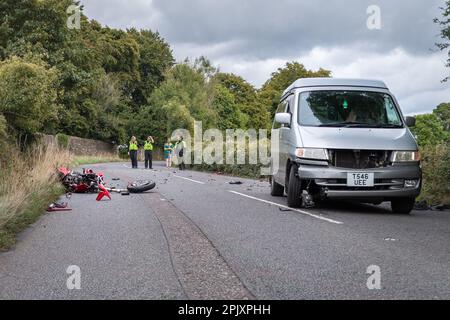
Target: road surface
<point>196,236</point>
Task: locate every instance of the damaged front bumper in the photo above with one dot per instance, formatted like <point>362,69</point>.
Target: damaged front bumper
<point>394,181</point>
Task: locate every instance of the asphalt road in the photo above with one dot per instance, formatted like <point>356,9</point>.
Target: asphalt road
<point>196,236</point>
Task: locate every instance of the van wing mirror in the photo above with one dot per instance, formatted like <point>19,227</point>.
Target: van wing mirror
<point>410,122</point>
<point>283,118</point>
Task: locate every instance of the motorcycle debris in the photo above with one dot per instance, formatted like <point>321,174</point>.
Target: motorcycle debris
<point>235,182</point>
<point>125,193</point>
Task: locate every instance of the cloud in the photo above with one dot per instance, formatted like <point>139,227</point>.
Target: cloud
<point>253,38</point>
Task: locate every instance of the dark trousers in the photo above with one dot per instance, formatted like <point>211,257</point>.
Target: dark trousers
<point>182,165</point>
<point>133,157</point>
<point>148,159</point>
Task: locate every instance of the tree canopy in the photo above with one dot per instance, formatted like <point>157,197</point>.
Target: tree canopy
<point>444,23</point>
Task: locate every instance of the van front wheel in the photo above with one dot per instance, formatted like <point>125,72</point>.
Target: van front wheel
<point>403,205</point>
<point>294,192</point>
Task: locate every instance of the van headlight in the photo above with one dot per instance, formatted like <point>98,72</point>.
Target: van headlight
<point>311,153</point>
<point>405,156</point>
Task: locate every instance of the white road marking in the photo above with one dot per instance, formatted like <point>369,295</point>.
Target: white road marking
<point>126,166</point>
<point>286,207</point>
<point>199,182</point>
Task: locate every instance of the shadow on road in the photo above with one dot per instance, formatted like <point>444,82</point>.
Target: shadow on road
<point>354,207</point>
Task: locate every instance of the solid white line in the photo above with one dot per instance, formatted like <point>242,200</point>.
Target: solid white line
<point>286,207</point>
<point>188,179</point>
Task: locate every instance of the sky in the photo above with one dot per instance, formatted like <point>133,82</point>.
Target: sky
<point>253,38</point>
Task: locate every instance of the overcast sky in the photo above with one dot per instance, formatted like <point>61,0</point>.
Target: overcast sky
<point>252,38</point>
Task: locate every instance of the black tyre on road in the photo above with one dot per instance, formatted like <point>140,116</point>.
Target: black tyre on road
<point>141,186</point>
<point>276,189</point>
<point>294,191</point>
<point>403,205</point>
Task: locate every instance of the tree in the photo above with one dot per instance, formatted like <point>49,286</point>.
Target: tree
<point>228,111</point>
<point>32,26</point>
<point>155,57</point>
<point>254,113</point>
<point>272,90</point>
<point>444,23</point>
<point>429,130</point>
<point>27,94</point>
<point>443,113</point>
<point>186,86</point>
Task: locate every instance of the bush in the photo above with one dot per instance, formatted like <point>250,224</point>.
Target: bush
<point>62,140</point>
<point>436,174</point>
<point>27,94</point>
<point>240,170</point>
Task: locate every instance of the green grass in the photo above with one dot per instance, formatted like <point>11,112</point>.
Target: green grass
<point>31,213</point>
<point>82,160</point>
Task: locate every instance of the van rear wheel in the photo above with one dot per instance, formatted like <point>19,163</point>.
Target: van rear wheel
<point>294,192</point>
<point>403,205</point>
<point>276,189</point>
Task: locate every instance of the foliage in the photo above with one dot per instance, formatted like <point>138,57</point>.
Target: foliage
<point>28,184</point>
<point>27,94</point>
<point>102,75</point>
<point>429,130</point>
<point>444,23</point>
<point>436,173</point>
<point>443,113</point>
<point>62,140</point>
<point>272,90</point>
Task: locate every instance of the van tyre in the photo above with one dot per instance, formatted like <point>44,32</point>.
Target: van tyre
<point>403,205</point>
<point>276,189</point>
<point>294,192</point>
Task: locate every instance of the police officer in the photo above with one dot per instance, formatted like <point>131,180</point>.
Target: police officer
<point>133,150</point>
<point>148,150</point>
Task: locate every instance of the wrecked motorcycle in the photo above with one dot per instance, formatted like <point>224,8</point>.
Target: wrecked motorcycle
<point>89,181</point>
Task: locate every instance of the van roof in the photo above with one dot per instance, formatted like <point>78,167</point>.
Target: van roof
<point>335,82</point>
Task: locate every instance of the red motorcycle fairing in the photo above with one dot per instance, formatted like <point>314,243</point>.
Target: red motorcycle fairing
<point>80,188</point>
<point>103,193</point>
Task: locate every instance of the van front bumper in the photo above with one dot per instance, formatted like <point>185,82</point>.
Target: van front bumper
<point>389,181</point>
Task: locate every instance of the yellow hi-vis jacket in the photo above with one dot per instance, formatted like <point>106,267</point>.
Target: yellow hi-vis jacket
<point>148,146</point>
<point>133,146</point>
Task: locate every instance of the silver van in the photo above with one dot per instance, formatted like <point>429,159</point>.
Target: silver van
<point>345,139</point>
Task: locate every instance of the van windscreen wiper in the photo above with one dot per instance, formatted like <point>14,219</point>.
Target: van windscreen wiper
<point>346,124</point>
<point>355,124</point>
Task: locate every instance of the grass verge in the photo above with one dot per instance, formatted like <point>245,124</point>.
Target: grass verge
<point>28,184</point>
<point>100,158</point>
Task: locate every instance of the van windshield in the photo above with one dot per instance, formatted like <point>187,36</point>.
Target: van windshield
<point>331,108</point>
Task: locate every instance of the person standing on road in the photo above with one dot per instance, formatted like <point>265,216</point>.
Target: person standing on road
<point>181,148</point>
<point>168,149</point>
<point>148,150</point>
<point>132,151</point>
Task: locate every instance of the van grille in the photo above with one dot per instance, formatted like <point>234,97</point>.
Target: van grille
<point>360,159</point>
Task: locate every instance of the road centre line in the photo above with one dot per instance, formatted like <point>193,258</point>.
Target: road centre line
<point>286,207</point>
<point>192,180</point>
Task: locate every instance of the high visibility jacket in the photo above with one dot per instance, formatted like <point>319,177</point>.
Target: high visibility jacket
<point>148,146</point>
<point>133,146</point>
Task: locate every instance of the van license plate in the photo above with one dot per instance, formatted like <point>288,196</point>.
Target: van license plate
<point>358,179</point>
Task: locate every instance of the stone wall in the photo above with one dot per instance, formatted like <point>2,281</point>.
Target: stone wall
<point>80,146</point>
